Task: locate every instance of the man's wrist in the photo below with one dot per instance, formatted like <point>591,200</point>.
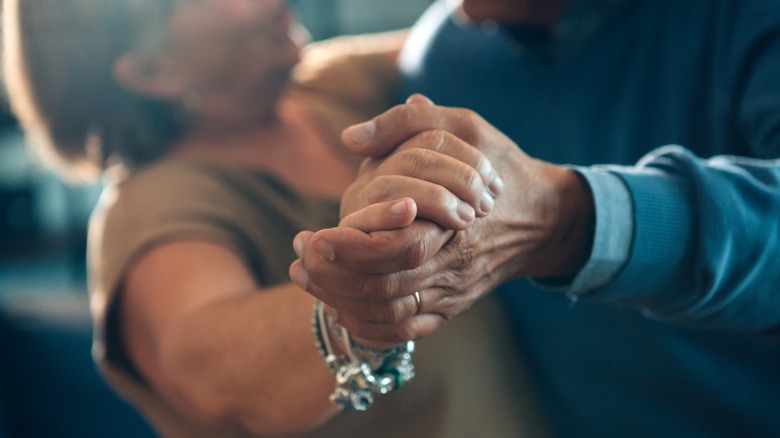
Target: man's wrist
<point>612,236</point>
<point>574,219</point>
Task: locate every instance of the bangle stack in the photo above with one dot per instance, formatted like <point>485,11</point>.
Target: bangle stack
<point>356,380</point>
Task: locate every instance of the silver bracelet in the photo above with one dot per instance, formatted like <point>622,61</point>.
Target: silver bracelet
<point>356,382</point>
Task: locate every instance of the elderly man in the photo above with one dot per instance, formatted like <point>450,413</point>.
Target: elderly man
<point>644,293</point>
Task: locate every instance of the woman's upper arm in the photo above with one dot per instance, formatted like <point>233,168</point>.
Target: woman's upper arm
<point>166,284</point>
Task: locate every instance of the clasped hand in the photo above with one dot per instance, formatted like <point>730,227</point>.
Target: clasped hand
<point>429,213</point>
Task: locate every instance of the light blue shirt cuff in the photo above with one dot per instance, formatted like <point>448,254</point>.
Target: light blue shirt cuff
<point>612,237</point>
<point>614,230</point>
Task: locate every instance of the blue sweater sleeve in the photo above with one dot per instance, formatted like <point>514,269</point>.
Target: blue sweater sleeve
<point>706,241</point>
<point>706,237</point>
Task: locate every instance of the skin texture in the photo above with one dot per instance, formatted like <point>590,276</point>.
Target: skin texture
<point>369,278</point>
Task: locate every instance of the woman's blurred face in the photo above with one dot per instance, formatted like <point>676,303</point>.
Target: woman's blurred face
<point>232,49</point>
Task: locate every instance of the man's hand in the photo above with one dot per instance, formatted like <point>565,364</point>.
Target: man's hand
<point>450,180</point>
<point>538,226</point>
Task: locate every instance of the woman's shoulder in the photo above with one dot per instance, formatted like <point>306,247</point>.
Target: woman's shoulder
<point>179,190</point>
<point>164,191</point>
<point>161,184</point>
<point>357,74</point>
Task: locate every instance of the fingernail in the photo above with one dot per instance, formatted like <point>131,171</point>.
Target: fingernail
<point>299,276</point>
<point>399,208</point>
<point>486,203</point>
<point>298,246</point>
<point>325,249</point>
<point>494,183</point>
<point>496,186</point>
<point>361,133</point>
<point>465,212</point>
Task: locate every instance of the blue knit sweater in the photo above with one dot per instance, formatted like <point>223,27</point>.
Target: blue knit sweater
<point>685,339</point>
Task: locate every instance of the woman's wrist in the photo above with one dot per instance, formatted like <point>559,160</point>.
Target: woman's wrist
<point>360,372</point>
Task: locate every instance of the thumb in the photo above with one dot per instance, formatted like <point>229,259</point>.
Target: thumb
<point>381,135</point>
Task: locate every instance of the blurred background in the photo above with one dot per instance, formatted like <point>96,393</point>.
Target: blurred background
<point>48,383</point>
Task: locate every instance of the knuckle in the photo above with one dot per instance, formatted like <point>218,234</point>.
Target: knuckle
<point>462,265</point>
<point>443,199</point>
<point>445,299</point>
<point>470,123</point>
<point>416,253</point>
<point>359,288</point>
<point>433,139</point>
<point>459,271</point>
<point>411,249</point>
<point>396,114</point>
<point>390,313</point>
<point>381,287</point>
<point>447,316</point>
<point>483,164</point>
<point>409,161</point>
<point>410,114</point>
<point>470,117</point>
<point>471,179</point>
<point>461,253</point>
<point>379,189</point>
<point>412,161</point>
<point>404,332</point>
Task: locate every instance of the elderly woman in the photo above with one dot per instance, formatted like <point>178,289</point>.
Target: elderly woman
<point>213,160</point>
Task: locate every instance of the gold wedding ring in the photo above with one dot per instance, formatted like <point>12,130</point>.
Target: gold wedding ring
<point>418,302</point>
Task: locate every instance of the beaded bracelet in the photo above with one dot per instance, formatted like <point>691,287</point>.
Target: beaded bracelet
<point>356,382</point>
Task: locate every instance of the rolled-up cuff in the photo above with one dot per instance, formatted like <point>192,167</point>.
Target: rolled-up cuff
<point>612,237</point>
